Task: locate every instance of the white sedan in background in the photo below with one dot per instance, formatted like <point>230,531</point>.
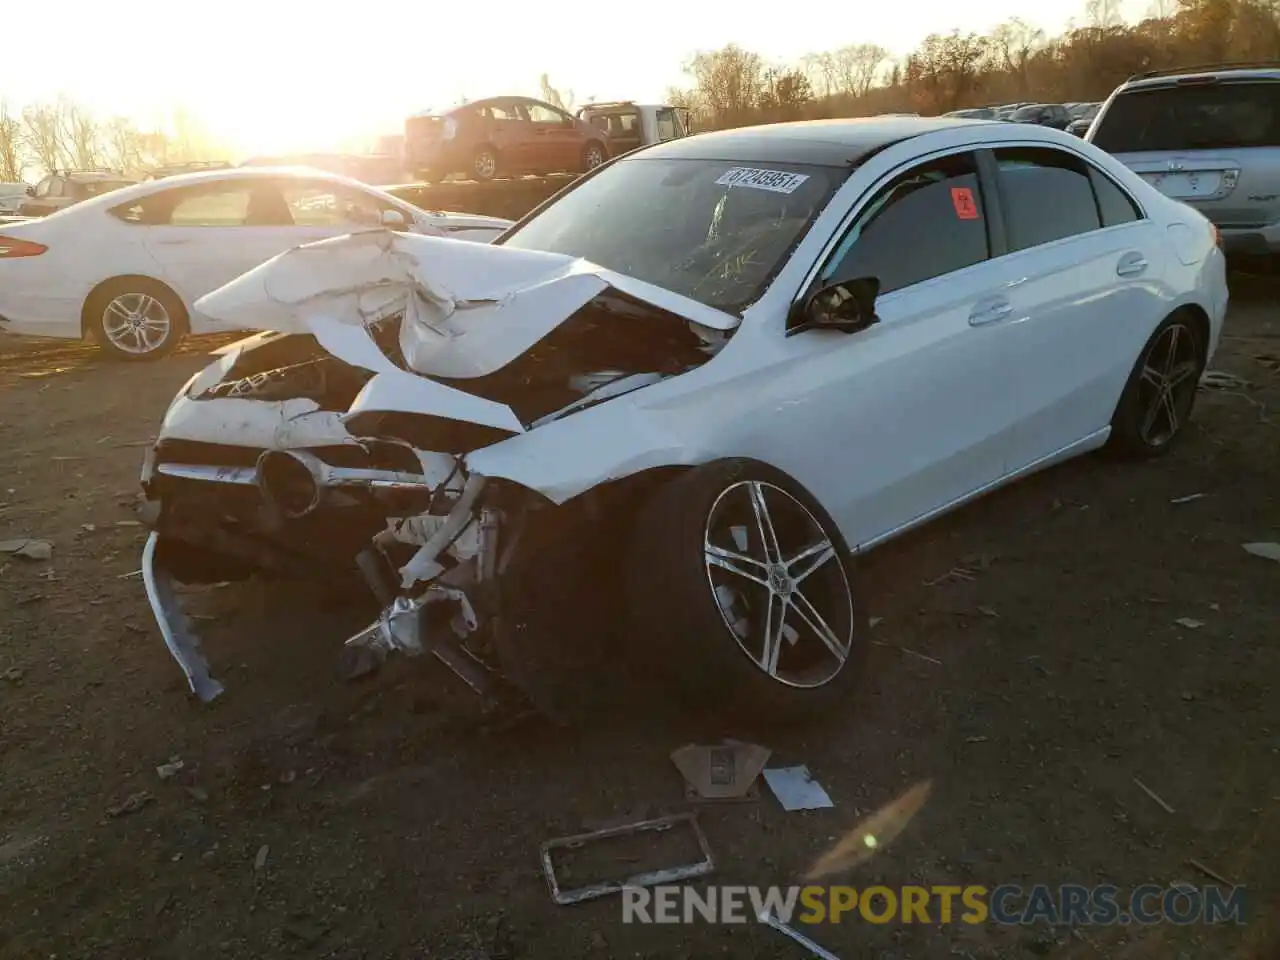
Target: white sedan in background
<point>126,268</point>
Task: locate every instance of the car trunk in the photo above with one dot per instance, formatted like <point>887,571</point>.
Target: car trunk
<point>1209,143</point>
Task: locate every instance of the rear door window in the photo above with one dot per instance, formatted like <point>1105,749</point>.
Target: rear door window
<point>1046,194</point>
<point>1199,116</point>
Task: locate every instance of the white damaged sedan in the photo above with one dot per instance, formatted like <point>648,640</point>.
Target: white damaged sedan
<point>694,384</point>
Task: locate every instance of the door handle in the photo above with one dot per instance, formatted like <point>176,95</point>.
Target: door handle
<point>1131,265</point>
<point>990,310</point>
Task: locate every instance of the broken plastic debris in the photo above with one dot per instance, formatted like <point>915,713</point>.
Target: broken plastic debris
<point>1268,551</point>
<point>726,772</point>
<point>131,804</point>
<point>28,547</point>
<point>1189,623</point>
<point>260,861</point>
<point>1188,498</point>
<point>167,771</point>
<point>796,789</point>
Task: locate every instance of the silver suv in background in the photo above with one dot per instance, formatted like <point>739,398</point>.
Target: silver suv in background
<point>1208,136</point>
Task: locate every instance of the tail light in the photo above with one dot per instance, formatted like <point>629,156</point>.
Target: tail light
<point>11,247</point>
<point>1217,236</point>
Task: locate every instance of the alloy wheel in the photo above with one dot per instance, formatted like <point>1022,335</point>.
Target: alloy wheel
<point>137,323</point>
<point>781,591</point>
<point>486,165</point>
<point>1167,385</point>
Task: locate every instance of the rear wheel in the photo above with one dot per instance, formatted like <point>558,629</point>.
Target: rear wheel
<point>484,163</point>
<point>1161,392</point>
<point>741,582</point>
<point>135,318</point>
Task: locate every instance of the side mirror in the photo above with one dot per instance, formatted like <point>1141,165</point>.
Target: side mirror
<point>31,191</point>
<point>394,220</point>
<point>848,307</point>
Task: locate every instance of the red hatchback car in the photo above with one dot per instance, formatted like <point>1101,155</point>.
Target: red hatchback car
<point>501,136</point>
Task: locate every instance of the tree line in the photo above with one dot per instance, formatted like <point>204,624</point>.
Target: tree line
<point>63,134</point>
<point>1014,62</point>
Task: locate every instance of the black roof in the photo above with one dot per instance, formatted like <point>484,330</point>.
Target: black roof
<point>819,142</point>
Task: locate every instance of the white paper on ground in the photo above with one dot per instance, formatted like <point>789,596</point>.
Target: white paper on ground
<point>796,789</point>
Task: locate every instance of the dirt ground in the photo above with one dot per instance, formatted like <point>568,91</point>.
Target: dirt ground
<point>377,820</point>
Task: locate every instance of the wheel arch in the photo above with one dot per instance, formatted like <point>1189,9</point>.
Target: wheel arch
<point>184,320</point>
<point>1199,318</point>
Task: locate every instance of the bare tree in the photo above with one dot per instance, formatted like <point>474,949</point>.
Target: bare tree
<point>1013,43</point>
<point>42,135</point>
<point>1104,14</point>
<point>80,135</point>
<point>820,70</point>
<point>123,146</point>
<point>856,65</point>
<point>564,100</point>
<point>729,81</point>
<point>12,158</point>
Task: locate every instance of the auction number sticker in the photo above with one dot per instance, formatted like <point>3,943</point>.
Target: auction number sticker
<point>775,181</point>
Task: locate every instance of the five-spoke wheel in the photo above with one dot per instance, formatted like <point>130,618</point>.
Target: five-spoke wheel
<point>1158,399</point>
<point>742,585</point>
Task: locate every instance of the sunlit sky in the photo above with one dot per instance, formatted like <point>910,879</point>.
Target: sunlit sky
<point>274,75</point>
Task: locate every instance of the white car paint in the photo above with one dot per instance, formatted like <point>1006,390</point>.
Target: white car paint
<point>950,409</point>
<point>87,245</point>
<point>969,380</point>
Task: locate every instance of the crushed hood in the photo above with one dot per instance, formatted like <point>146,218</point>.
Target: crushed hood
<point>469,308</point>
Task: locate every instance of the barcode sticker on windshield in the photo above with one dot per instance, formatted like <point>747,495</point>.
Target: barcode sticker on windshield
<point>775,181</point>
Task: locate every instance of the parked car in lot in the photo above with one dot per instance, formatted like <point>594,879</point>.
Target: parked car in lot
<point>1083,119</point>
<point>502,136</point>
<point>190,166</point>
<point>1045,114</point>
<point>12,196</point>
<point>1210,138</point>
<point>628,125</point>
<point>126,268</point>
<point>973,113</point>
<point>64,188</point>
<point>715,392</point>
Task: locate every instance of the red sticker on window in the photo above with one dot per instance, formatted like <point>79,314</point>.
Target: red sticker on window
<point>962,200</point>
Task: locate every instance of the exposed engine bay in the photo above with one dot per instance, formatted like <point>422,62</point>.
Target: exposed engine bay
<point>287,459</point>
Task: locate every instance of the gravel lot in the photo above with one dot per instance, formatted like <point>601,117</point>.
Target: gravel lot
<point>317,818</point>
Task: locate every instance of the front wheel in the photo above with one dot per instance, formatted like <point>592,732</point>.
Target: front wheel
<point>592,156</point>
<point>136,319</point>
<point>743,585</point>
<point>1161,390</point>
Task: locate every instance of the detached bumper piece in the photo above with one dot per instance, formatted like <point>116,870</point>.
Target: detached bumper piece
<point>174,624</point>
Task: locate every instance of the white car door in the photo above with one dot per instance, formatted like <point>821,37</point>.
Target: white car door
<point>914,412</point>
<point>1077,282</point>
<point>207,235</point>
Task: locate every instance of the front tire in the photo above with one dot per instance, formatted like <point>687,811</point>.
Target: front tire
<point>592,156</point>
<point>484,163</point>
<point>1161,391</point>
<point>741,582</point>
<point>135,318</point>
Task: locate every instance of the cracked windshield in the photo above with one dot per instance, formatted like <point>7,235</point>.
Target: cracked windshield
<point>711,230</point>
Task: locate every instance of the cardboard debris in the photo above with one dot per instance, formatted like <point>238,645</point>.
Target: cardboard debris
<point>28,547</point>
<point>725,772</point>
<point>796,789</point>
